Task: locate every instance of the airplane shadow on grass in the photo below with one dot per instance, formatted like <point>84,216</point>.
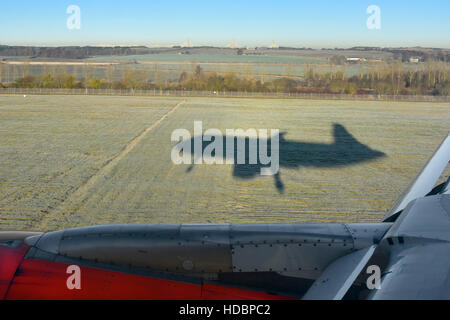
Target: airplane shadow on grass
<point>345,150</point>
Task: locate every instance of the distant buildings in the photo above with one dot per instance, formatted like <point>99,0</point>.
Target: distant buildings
<point>355,60</point>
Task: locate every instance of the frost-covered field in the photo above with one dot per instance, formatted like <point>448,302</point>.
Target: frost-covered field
<point>79,160</point>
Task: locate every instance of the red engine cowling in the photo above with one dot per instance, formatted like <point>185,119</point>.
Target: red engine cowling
<point>28,278</point>
<point>11,257</point>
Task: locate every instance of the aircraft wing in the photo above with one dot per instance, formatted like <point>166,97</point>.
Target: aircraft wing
<point>210,261</point>
<point>426,179</point>
<point>422,273</point>
<point>418,245</point>
<point>339,276</point>
<point>418,242</point>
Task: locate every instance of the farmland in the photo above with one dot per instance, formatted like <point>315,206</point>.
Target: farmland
<point>163,70</point>
<point>70,161</point>
<point>167,64</point>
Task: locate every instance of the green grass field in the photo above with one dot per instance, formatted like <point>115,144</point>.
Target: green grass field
<point>70,161</point>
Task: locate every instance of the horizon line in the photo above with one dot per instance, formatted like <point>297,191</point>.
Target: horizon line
<point>182,46</point>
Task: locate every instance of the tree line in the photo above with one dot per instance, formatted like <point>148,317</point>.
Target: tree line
<point>430,78</point>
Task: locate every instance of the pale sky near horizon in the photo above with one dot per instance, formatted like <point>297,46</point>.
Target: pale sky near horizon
<point>298,23</point>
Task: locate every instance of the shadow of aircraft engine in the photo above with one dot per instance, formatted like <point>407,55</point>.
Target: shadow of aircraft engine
<point>252,155</point>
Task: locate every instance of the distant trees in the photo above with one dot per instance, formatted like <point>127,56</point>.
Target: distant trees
<point>135,80</point>
<point>198,72</point>
<point>63,81</point>
<point>183,77</point>
<point>71,52</point>
<point>213,82</point>
<point>59,81</point>
<point>394,79</point>
<point>88,73</point>
<point>47,81</point>
<point>430,78</point>
<point>95,83</point>
<point>26,82</point>
<point>283,85</point>
<point>110,75</point>
<point>338,60</point>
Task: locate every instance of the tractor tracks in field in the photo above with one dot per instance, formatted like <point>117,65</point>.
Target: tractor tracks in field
<point>82,192</point>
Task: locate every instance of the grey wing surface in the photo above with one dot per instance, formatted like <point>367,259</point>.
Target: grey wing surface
<point>418,243</point>
<point>418,246</point>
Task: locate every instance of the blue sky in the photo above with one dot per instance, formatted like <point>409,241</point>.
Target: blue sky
<point>298,23</point>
